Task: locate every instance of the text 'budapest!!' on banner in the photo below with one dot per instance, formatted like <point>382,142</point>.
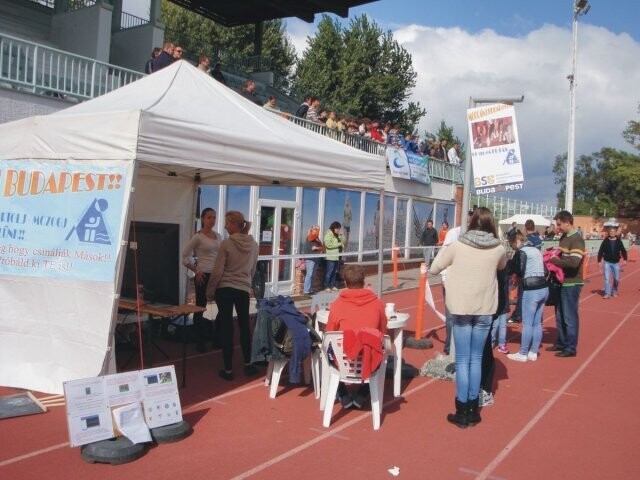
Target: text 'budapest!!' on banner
<point>495,149</point>
<point>408,165</point>
<point>60,220</point>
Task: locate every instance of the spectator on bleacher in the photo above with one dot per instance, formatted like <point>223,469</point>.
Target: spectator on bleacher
<point>408,144</point>
<point>375,132</point>
<point>385,132</point>
<point>393,137</point>
<point>443,149</point>
<point>331,121</point>
<point>312,112</point>
<point>177,53</point>
<point>271,104</point>
<point>203,63</point>
<point>248,91</point>
<point>148,68</point>
<point>341,124</point>
<point>302,110</point>
<point>436,151</point>
<point>452,155</point>
<point>352,127</point>
<point>165,58</point>
<point>217,74</point>
<point>322,116</point>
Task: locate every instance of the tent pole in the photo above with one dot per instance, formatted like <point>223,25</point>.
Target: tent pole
<point>380,242</point>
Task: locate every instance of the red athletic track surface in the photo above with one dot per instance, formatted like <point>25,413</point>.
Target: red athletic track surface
<point>557,418</point>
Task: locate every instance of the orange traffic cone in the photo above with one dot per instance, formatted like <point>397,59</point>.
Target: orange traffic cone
<point>633,254</point>
<point>585,266</point>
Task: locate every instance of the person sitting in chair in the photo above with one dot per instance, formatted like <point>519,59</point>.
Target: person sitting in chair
<point>356,307</point>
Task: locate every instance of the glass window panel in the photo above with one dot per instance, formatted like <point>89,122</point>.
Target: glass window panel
<point>278,193</point>
<point>238,198</point>
<point>344,206</point>
<point>309,215</point>
<point>401,222</point>
<point>421,212</point>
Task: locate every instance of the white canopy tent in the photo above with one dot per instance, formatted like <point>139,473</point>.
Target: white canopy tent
<point>163,130</point>
<point>521,218</point>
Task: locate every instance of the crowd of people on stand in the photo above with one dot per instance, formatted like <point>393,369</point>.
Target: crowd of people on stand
<point>377,131</point>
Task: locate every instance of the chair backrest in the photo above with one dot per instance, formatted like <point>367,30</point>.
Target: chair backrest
<point>350,370</point>
<point>322,300</point>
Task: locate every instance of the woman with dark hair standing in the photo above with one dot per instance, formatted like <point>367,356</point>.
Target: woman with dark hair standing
<point>204,247</point>
<point>230,286</point>
<point>334,243</point>
<point>472,298</point>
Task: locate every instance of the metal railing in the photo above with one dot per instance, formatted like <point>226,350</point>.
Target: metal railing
<point>437,168</point>
<point>37,68</point>
<point>131,21</point>
<point>505,207</point>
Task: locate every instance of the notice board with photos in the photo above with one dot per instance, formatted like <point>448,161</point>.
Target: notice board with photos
<point>93,404</point>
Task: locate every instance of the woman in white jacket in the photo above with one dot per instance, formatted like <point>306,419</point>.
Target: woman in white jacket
<point>472,299</point>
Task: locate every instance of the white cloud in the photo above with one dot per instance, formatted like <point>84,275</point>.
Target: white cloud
<point>453,65</point>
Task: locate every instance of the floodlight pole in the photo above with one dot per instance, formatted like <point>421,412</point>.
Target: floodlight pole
<point>466,196</point>
<point>580,7</point>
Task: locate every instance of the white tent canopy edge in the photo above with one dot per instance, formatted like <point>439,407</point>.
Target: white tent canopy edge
<point>175,123</point>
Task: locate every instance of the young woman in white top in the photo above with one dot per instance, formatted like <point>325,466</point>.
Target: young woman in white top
<point>204,246</point>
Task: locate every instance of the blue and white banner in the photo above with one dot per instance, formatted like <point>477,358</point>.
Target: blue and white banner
<point>408,165</point>
<point>59,219</point>
<point>495,149</point>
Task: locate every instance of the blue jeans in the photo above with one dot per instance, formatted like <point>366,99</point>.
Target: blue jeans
<point>532,309</point>
<point>448,323</point>
<point>330,276</point>
<point>499,330</point>
<point>567,320</point>
<point>609,269</point>
<point>470,335</point>
<point>310,265</point>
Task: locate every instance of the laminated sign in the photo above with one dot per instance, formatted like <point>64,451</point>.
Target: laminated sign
<point>495,149</point>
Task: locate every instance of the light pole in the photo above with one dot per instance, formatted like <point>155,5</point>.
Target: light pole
<point>474,102</point>
<point>580,7</point>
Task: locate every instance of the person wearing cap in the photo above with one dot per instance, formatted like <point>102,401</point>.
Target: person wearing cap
<point>611,250</point>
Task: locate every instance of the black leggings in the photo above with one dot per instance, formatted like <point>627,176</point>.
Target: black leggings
<point>227,298</point>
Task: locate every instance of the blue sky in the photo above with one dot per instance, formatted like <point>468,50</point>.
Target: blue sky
<point>497,48</point>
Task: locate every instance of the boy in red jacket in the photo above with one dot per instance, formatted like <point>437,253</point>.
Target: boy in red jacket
<point>355,308</point>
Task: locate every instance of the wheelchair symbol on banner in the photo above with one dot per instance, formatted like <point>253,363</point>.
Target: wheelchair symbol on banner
<point>92,228</point>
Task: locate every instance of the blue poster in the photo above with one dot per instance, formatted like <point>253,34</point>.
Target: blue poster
<point>60,220</point>
<point>408,165</point>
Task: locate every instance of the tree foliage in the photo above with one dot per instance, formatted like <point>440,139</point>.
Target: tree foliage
<point>446,132</point>
<point>632,133</point>
<point>360,71</point>
<point>199,35</point>
<point>606,182</point>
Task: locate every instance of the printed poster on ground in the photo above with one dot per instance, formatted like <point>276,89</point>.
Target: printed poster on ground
<point>495,149</point>
<point>94,404</point>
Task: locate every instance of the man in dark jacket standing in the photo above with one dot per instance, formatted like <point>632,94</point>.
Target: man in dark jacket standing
<point>429,238</point>
<point>611,249</point>
<point>165,58</point>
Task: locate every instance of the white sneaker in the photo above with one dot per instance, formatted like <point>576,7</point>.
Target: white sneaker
<point>532,356</point>
<point>486,399</point>
<point>518,357</point>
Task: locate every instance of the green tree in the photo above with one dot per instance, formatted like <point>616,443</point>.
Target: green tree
<point>445,132</point>
<point>359,70</point>
<point>632,132</point>
<point>199,35</point>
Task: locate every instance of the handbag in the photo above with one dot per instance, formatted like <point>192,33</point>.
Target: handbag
<point>554,286</point>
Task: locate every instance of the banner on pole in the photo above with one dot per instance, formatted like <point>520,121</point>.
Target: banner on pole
<point>495,149</point>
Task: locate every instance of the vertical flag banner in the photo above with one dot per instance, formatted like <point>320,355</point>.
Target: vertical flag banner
<point>60,220</point>
<point>495,149</point>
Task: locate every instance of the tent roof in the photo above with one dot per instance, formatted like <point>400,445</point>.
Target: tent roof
<point>242,12</point>
<point>181,122</point>
<point>520,218</point>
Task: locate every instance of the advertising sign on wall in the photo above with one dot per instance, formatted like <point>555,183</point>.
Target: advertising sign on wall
<point>408,165</point>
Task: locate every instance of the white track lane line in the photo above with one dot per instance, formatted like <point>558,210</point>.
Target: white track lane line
<point>534,421</point>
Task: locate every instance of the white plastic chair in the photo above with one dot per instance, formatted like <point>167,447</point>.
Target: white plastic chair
<point>350,371</point>
<point>321,301</point>
<point>311,372</point>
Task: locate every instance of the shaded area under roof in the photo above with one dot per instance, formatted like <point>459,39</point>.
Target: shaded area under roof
<point>242,12</point>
